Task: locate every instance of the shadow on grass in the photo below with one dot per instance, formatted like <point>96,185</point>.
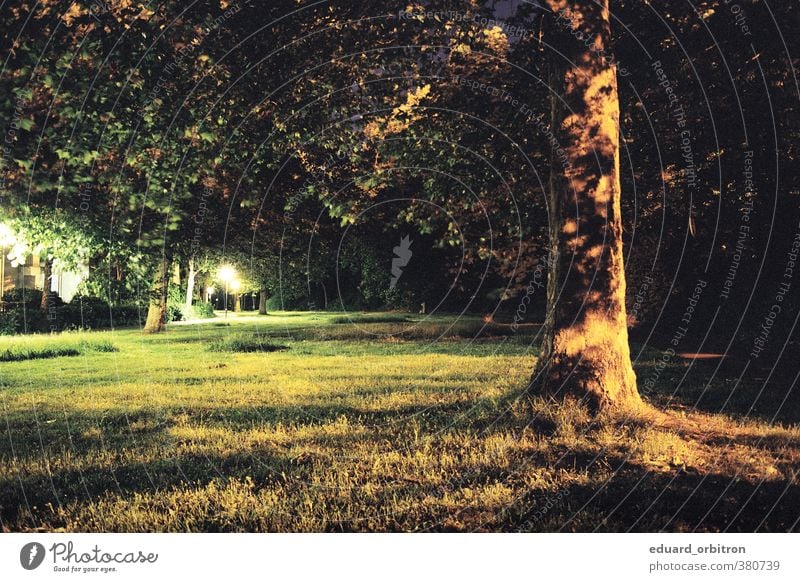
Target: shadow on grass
<point>636,499</point>
<point>721,387</point>
<point>632,498</point>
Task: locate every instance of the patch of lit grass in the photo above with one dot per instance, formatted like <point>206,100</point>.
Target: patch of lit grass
<point>354,433</point>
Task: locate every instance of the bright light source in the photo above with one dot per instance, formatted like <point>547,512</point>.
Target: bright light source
<point>226,274</point>
<point>236,285</point>
<point>210,290</point>
<point>7,237</point>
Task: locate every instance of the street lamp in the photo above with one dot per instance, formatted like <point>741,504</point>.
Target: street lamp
<point>6,235</point>
<point>226,275</point>
<point>7,239</point>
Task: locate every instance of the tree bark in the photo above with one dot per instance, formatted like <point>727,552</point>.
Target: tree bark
<point>585,352</point>
<point>190,278</point>
<point>237,302</point>
<point>157,310</point>
<point>48,275</point>
<point>262,302</point>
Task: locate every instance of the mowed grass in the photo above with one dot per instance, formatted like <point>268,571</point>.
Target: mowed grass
<point>371,422</point>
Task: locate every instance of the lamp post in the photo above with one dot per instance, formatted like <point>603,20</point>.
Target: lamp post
<point>226,275</point>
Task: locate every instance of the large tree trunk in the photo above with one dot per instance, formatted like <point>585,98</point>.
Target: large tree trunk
<point>190,284</point>
<point>157,310</point>
<point>48,275</point>
<point>585,351</point>
<point>262,302</point>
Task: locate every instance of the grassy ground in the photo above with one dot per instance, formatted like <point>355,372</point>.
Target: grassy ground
<point>323,422</point>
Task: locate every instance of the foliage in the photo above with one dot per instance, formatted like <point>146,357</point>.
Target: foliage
<point>52,235</point>
<point>20,297</point>
<point>118,133</point>
<point>9,322</point>
<point>80,313</point>
<point>176,306</point>
<point>202,310</point>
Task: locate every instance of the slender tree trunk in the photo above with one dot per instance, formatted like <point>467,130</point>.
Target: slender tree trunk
<point>190,279</point>
<point>262,302</point>
<point>157,310</point>
<point>585,351</point>
<point>237,302</point>
<point>48,275</point>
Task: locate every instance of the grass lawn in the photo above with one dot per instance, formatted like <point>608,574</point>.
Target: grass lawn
<point>373,422</point>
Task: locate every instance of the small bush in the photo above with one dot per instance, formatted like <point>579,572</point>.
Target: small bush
<point>94,313</point>
<point>176,305</point>
<point>23,319</point>
<point>8,322</point>
<point>89,303</point>
<point>31,298</point>
<point>202,310</point>
<point>84,313</point>
<point>288,302</point>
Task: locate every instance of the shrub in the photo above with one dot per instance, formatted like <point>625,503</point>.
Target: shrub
<point>23,319</point>
<point>289,302</point>
<point>80,313</point>
<point>176,304</point>
<point>94,313</point>
<point>84,313</point>
<point>30,298</point>
<point>202,310</point>
<point>8,322</point>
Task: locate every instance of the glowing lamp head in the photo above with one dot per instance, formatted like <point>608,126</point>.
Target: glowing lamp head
<point>7,237</point>
<point>227,273</point>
